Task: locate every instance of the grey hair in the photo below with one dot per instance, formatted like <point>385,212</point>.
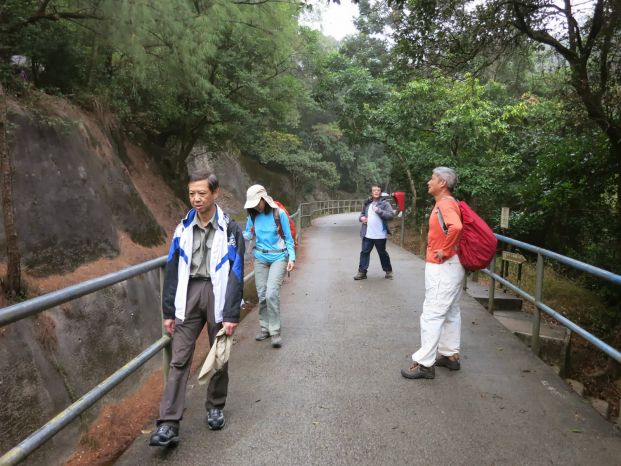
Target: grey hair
<point>205,175</point>
<point>448,175</point>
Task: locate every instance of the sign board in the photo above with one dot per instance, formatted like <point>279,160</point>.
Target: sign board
<point>513,257</point>
<point>504,217</point>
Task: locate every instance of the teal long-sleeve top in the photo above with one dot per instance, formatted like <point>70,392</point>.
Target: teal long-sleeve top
<point>268,239</point>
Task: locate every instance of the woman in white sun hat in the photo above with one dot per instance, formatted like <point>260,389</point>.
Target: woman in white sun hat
<point>274,254</point>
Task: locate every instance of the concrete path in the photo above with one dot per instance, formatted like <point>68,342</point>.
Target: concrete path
<point>334,395</point>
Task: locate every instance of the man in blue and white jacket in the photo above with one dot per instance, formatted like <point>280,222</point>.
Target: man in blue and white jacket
<point>203,284</point>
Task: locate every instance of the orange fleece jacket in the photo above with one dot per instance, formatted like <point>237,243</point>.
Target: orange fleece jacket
<point>437,239</point>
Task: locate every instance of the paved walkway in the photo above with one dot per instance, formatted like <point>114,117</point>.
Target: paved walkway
<point>333,394</point>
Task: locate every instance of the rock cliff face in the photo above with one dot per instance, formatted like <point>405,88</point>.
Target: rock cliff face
<point>72,191</point>
<point>79,209</point>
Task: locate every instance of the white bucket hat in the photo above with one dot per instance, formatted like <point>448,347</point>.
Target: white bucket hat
<point>255,193</point>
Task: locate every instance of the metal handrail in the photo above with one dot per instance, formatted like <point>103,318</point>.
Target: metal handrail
<point>41,303</point>
<point>576,264</point>
<point>326,207</point>
<point>537,300</point>
<point>61,420</point>
<point>33,306</point>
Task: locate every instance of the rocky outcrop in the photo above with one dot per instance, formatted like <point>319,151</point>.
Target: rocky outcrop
<point>76,204</point>
<point>72,191</point>
<point>237,172</point>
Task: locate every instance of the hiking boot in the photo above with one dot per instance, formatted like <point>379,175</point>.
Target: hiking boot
<point>215,418</point>
<point>388,275</point>
<point>262,335</point>
<point>360,276</point>
<point>165,436</point>
<point>451,362</point>
<point>276,340</point>
<point>418,371</point>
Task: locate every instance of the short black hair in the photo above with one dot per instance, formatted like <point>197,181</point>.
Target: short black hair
<point>201,175</point>
<point>376,185</point>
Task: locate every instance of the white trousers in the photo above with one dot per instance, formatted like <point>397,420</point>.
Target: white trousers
<point>440,322</point>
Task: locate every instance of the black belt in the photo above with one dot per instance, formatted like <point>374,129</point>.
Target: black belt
<point>203,279</point>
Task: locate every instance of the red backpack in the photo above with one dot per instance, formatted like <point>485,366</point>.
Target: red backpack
<point>291,224</point>
<point>477,245</point>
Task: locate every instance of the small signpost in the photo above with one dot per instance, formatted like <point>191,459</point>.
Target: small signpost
<point>515,258</point>
<point>504,218</point>
<point>504,225</point>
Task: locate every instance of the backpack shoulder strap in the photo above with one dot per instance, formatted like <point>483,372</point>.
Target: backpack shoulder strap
<point>276,212</point>
<point>441,220</point>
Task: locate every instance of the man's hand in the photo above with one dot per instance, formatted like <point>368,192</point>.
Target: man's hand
<point>438,254</point>
<point>290,266</point>
<point>169,325</point>
<point>229,327</point>
<point>363,219</point>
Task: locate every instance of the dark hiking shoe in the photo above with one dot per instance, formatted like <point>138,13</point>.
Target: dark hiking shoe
<point>215,418</point>
<point>276,340</point>
<point>165,436</point>
<point>452,362</point>
<point>418,371</point>
<point>389,275</point>
<point>262,335</point>
<point>360,276</point>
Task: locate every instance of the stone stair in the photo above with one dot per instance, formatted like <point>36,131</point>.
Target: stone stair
<point>508,311</point>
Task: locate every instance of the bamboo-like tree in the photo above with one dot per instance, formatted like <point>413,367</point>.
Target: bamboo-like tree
<point>12,285</point>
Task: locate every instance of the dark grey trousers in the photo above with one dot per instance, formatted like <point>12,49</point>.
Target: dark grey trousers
<point>199,310</point>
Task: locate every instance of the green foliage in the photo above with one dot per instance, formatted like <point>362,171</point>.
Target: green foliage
<point>306,166</point>
<point>458,84</point>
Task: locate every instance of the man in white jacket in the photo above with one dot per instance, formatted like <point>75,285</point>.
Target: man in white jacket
<point>203,284</point>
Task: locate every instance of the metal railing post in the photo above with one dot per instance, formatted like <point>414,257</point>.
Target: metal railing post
<point>402,229</point>
<point>492,286</point>
<point>534,340</point>
<point>566,355</point>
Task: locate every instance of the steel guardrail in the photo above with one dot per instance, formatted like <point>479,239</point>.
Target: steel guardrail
<point>33,306</point>
<point>576,264</point>
<point>61,420</point>
<point>537,299</point>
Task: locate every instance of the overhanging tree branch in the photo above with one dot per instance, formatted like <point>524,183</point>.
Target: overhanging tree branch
<point>42,15</point>
<point>541,36</point>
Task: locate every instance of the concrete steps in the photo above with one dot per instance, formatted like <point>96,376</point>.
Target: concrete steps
<point>507,310</point>
<point>502,300</point>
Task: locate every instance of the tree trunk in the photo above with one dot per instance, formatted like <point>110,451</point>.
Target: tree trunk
<point>92,67</point>
<point>615,153</point>
<point>610,127</point>
<point>408,173</point>
<point>13,282</point>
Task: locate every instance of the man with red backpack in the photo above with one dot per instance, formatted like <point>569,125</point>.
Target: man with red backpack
<point>376,212</point>
<point>440,321</point>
